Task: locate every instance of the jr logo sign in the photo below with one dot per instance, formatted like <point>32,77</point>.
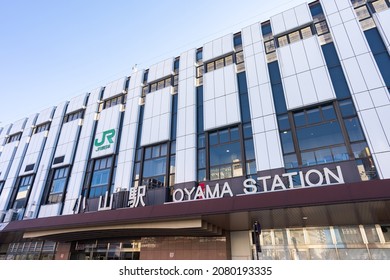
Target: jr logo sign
<point>100,144</point>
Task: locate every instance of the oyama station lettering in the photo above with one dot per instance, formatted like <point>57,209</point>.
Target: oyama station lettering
<point>312,178</point>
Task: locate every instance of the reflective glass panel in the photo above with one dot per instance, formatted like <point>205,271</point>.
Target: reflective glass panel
<point>320,135</point>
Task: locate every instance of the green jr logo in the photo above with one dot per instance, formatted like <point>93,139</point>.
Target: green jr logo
<point>108,134</point>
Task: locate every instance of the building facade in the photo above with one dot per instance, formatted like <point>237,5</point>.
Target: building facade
<point>270,143</point>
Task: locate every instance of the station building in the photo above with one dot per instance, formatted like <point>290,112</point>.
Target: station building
<point>283,125</point>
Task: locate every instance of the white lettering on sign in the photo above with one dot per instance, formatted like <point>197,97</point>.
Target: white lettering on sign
<point>312,178</point>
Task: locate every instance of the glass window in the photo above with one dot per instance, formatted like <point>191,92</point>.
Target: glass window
<point>290,161</point>
<point>210,66</point>
<point>239,57</point>
<point>247,130</point>
<point>225,157</point>
<point>199,71</point>
<point>360,150</point>
<point>155,166</point>
<point>308,158</point>
<point>306,32</point>
<point>201,141</point>
<point>228,60</point>
<point>340,153</point>
<point>100,177</point>
<point>323,156</point>
<point>58,185</point>
<point>319,136</point>
<point>328,113</point>
<point>347,108</point>
<point>321,27</point>
<point>225,153</point>
<point>362,12</point>
<point>282,41</point>
<point>201,159</point>
<point>300,119</point>
<point>251,168</point>
<point>287,142</point>
<point>354,130</point>
<point>294,37</point>
<point>156,151</point>
<point>379,5</point>
<point>25,184</point>
<point>269,46</point>
<point>249,149</point>
<point>313,116</point>
<point>219,63</point>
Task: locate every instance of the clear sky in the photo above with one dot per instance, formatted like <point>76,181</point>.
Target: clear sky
<point>51,51</point>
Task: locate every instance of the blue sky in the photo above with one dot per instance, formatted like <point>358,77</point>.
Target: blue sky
<point>51,51</point>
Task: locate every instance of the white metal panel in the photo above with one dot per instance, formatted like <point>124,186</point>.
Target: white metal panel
<point>343,4</point>
<point>191,92</point>
<point>323,84</point>
<point>6,159</point>
<point>274,149</point>
<point>383,160</point>
<point>115,88</point>
<point>258,125</point>
<point>160,70</point>
<point>277,24</point>
<point>67,142</point>
<point>286,63</point>
<point>292,92</point>
<point>382,21</point>
<point>258,47</point>
<point>207,51</point>
<point>270,123</point>
<point>190,124</point>
<point>356,37</point>
<point>313,52</point>
<point>208,86</point>
<point>233,109</point>
<point>299,57</point>
<point>18,126</point>
<point>380,97</point>
<point>354,75</point>
<point>246,35</point>
<point>347,14</point>
<point>180,163</point>
<point>190,163</point>
<point>45,115</point>
<point>262,160</point>
<point>303,15</point>
<point>335,19</point>
<point>230,79</point>
<point>219,83</point>
<point>217,48</point>
<point>363,100</point>
<point>220,111</point>
<point>164,132</point>
<point>375,133</point>
<point>267,102</point>
<point>370,71</point>
<point>290,20</point>
<point>262,68</point>
<point>209,114</point>
<point>82,154</point>
<point>255,103</point>
<point>77,103</point>
<point>384,117</point>
<point>168,67</point>
<point>181,122</point>
<point>342,42</point>
<point>256,34</point>
<point>248,51</point>
<point>307,89</point>
<point>251,71</point>
<point>34,151</point>
<point>45,160</point>
<point>329,6</point>
<point>227,44</point>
